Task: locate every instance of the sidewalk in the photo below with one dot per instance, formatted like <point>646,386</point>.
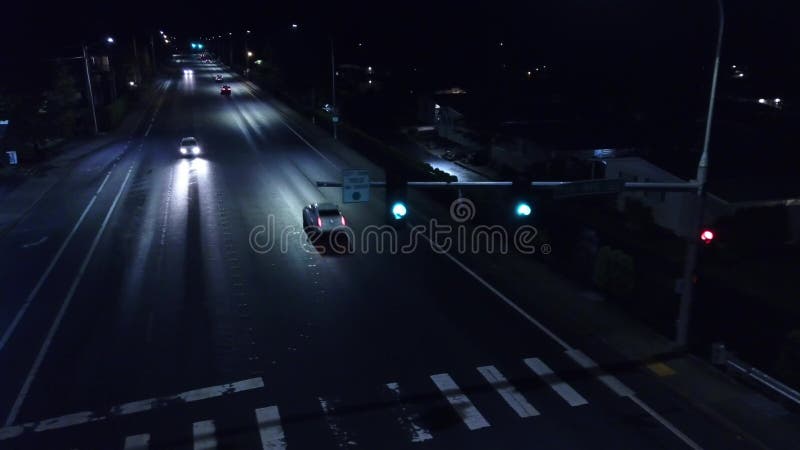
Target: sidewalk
<point>763,422</point>
<point>22,188</point>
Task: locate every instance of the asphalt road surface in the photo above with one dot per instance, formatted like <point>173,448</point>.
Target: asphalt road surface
<point>136,313</point>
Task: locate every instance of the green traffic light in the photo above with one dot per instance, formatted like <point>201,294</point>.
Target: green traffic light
<point>523,209</point>
<point>399,210</point>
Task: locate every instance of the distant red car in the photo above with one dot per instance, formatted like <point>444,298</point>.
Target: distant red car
<point>226,90</point>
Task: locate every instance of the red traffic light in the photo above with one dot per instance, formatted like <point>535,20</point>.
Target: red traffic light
<point>707,236</point>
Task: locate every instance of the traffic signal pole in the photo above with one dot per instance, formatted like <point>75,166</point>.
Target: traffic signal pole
<point>687,291</point>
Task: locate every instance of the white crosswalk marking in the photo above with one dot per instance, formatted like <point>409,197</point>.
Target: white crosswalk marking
<point>469,413</point>
<point>611,381</point>
<point>561,388</point>
<point>204,434</point>
<point>137,442</point>
<point>270,429</point>
<point>514,398</point>
<point>408,420</point>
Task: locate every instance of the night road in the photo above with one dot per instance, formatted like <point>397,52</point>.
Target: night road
<point>138,311</point>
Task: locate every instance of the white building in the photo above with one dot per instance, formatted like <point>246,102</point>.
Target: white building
<point>673,210</point>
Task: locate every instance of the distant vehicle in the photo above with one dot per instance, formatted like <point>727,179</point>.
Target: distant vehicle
<point>323,217</point>
<point>328,108</point>
<point>188,72</point>
<point>189,146</point>
<point>226,90</point>
<point>218,78</point>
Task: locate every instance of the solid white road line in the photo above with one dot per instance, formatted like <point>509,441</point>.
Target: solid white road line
<point>686,440</point>
<point>680,435</point>
<point>137,442</point>
<point>469,413</point>
<point>564,390</point>
<point>499,294</point>
<point>188,396</point>
<point>12,416</point>
<point>100,189</point>
<point>270,429</point>
<point>204,434</point>
<point>609,380</point>
<point>408,420</point>
<point>279,114</point>
<point>149,127</point>
<point>514,398</point>
<point>10,330</point>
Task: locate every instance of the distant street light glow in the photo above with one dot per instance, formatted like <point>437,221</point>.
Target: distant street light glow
<point>110,40</point>
<point>294,26</point>
<point>249,54</point>
<point>777,100</point>
<point>762,101</point>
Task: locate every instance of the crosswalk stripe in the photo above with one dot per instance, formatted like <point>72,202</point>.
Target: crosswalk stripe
<point>469,413</point>
<point>610,381</point>
<point>561,388</point>
<point>514,398</point>
<point>270,429</point>
<point>408,420</point>
<point>137,442</point>
<point>204,434</point>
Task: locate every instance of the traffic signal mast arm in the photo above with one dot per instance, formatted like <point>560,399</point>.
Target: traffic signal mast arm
<point>688,186</point>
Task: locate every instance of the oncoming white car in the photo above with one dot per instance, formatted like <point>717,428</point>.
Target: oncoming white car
<point>189,146</point>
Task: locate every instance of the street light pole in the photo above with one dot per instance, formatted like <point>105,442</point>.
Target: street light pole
<point>684,313</point>
<point>89,88</point>
<point>333,91</point>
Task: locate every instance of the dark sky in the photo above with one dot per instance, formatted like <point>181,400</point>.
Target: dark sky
<point>612,34</point>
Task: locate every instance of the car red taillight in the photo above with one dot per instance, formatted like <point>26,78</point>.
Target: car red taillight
<point>319,221</point>
<point>344,222</point>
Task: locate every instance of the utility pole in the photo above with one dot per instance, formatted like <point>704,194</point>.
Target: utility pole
<point>684,314</point>
<point>333,92</point>
<point>89,88</point>
<point>246,55</point>
<point>138,71</point>
<point>153,50</point>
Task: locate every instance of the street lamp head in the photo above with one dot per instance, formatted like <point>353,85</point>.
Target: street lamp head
<point>762,101</point>
<point>294,26</point>
<point>249,54</point>
<point>777,100</point>
<point>230,33</point>
<point>110,40</point>
<point>248,31</point>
